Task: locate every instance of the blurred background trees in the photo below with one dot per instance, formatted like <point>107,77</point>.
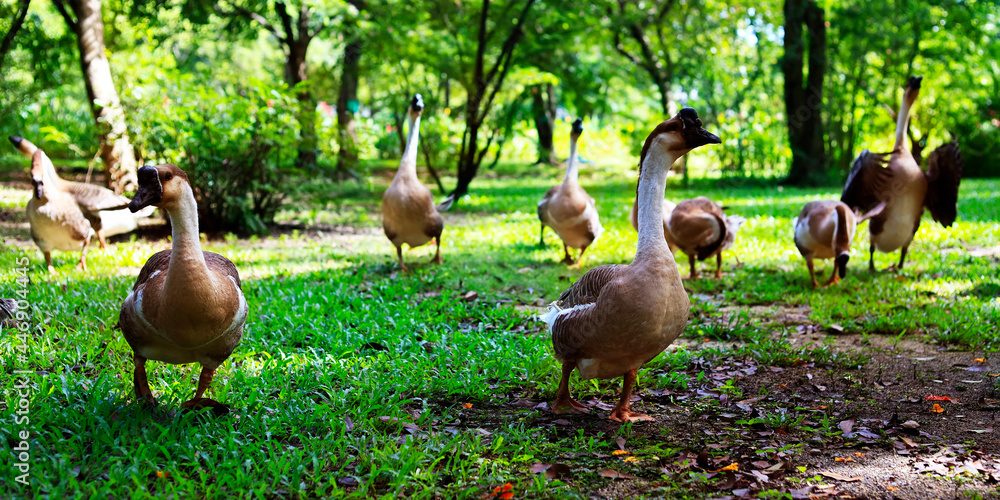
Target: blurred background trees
<point>273,92</point>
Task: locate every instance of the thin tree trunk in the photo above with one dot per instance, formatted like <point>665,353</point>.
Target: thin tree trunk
<point>296,71</point>
<point>543,109</point>
<point>347,102</point>
<point>116,150</point>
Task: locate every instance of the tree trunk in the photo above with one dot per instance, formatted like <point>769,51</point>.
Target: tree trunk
<point>347,103</point>
<point>296,72</point>
<point>804,95</point>
<point>543,107</point>
<point>116,151</point>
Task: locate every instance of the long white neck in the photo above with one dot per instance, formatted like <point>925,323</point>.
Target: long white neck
<point>572,169</point>
<point>901,120</point>
<point>652,184</point>
<point>49,175</point>
<point>408,165</point>
<point>187,262</point>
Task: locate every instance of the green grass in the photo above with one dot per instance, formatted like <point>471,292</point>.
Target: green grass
<point>340,351</point>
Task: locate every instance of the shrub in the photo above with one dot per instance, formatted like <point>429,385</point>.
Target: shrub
<point>237,142</point>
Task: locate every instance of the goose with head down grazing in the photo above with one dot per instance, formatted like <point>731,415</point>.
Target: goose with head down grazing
<point>104,210</point>
<point>408,212</point>
<point>701,229</point>
<point>568,209</point>
<point>187,305</point>
<point>824,230</point>
<point>895,182</point>
<point>618,317</point>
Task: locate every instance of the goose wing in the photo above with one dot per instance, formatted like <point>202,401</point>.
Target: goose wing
<point>576,323</point>
<point>868,182</point>
<point>543,204</point>
<point>95,198</point>
<point>944,173</point>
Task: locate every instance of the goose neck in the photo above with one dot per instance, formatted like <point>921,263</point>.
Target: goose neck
<point>652,184</point>
<point>572,165</point>
<point>408,165</point>
<point>186,258</point>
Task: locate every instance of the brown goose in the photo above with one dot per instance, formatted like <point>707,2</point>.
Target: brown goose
<point>896,180</point>
<point>568,209</point>
<point>104,209</point>
<point>408,212</point>
<point>701,229</point>
<point>57,220</point>
<point>618,317</point>
<point>187,305</point>
<point>668,208</point>
<point>824,230</point>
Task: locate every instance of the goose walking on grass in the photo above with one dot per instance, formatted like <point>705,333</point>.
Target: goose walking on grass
<point>104,210</point>
<point>701,229</point>
<point>824,230</point>
<point>895,182</point>
<point>568,209</point>
<point>187,305</point>
<point>618,317</point>
<point>409,215</point>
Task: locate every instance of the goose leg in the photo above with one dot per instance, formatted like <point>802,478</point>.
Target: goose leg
<point>437,254</point>
<point>902,256</point>
<point>567,259</point>
<point>541,235</point>
<point>694,267</point>
<point>834,277</point>
<point>579,259</point>
<point>621,412</point>
<point>871,258</point>
<point>101,240</point>
<point>718,266</point>
<point>83,254</point>
<point>140,383</point>
<point>399,254</point>
<point>48,262</point>
<point>204,380</point>
<point>812,272</point>
<point>564,403</point>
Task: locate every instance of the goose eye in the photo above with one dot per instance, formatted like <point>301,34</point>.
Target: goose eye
<point>168,177</point>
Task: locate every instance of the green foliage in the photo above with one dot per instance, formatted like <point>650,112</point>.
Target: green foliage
<point>236,142</point>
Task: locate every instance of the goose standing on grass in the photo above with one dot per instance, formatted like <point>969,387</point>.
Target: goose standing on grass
<point>408,212</point>
<point>568,209</point>
<point>701,229</point>
<point>103,209</point>
<point>57,221</point>
<point>895,181</point>
<point>187,305</point>
<point>824,230</point>
<point>620,316</point>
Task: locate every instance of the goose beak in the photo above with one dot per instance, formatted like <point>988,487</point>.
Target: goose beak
<point>694,133</point>
<point>578,126</point>
<point>417,104</point>
<point>150,190</point>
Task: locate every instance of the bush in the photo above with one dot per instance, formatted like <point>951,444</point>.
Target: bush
<point>236,142</point>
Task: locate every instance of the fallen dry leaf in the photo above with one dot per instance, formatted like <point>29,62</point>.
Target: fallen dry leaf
<point>840,477</point>
<point>467,405</point>
<point>470,296</point>
<point>846,426</point>
<point>620,441</point>
<point>613,474</point>
<point>733,466</point>
<point>619,452</point>
<point>838,459</point>
<point>979,360</point>
<point>940,398</point>
<point>937,408</point>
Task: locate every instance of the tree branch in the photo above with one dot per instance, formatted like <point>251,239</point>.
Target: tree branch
<point>511,42</point>
<point>286,21</point>
<point>22,12</point>
<point>65,15</point>
<point>240,11</point>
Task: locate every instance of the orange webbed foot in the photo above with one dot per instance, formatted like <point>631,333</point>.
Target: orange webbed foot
<point>627,416</point>
<point>569,405</point>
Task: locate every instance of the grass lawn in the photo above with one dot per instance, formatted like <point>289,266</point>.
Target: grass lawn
<point>355,380</point>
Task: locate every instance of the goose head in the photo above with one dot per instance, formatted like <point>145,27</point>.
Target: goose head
<point>161,186</point>
<point>577,128</point>
<point>678,135</point>
<point>416,106</point>
<point>912,89</point>
<point>38,163</point>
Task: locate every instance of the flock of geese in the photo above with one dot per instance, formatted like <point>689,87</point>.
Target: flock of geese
<point>187,305</point>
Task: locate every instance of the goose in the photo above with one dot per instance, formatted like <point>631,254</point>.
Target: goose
<point>57,221</point>
<point>824,230</point>
<point>408,212</point>
<point>568,209</point>
<point>105,210</point>
<point>701,229</point>
<point>187,305</point>
<point>895,180</point>
<point>617,317</point>
<point>668,208</point>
